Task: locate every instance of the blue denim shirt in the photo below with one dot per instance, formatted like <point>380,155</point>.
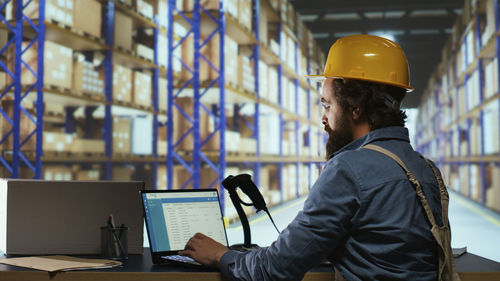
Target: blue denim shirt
<point>362,214</point>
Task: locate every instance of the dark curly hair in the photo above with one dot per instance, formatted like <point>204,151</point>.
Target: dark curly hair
<point>371,100</point>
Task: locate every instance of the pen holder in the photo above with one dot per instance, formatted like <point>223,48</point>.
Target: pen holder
<point>114,242</point>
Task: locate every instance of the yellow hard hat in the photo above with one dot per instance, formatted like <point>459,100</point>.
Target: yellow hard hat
<point>369,58</point>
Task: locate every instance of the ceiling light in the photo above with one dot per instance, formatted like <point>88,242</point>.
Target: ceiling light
<point>427,13</point>
<point>311,17</point>
<point>341,16</point>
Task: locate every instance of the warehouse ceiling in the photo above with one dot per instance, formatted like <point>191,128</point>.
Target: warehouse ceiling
<point>421,27</point>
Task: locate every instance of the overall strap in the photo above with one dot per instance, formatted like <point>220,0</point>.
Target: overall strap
<point>442,190</point>
<point>411,178</point>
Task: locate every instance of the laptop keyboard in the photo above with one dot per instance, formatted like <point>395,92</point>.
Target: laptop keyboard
<point>179,258</point>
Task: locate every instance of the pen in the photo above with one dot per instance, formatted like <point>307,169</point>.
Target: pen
<point>117,243</point>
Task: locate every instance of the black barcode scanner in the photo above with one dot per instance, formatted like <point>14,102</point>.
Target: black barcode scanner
<point>247,186</point>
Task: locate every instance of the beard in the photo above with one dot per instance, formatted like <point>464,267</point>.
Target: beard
<point>338,137</point>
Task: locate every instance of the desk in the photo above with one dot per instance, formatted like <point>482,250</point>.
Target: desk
<point>140,268</point>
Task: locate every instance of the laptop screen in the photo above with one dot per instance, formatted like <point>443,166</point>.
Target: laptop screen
<point>174,216</point>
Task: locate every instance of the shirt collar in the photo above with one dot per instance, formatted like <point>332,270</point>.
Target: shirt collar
<point>393,133</point>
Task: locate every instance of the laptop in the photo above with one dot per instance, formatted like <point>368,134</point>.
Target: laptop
<point>174,216</point>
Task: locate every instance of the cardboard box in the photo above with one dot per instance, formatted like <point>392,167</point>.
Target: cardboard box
<point>85,77</point>
<point>121,135</point>
<point>25,124</point>
<point>142,93</point>
<point>145,51</point>
<point>123,31</point>
<point>145,9</point>
<point>122,83</point>
<point>58,64</point>
<point>123,173</point>
<point>88,146</point>
<point>492,186</point>
<point>162,50</point>
<point>57,10</point>
<point>162,94</point>
<point>88,16</point>
<point>57,173</point>
<point>161,177</point>
<point>57,142</point>
<point>88,175</point>
<point>245,13</point>
<point>162,148</point>
<point>69,215</point>
<point>142,136</point>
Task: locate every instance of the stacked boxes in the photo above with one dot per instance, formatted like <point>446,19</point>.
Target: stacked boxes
<point>246,76</point>
<point>88,16</point>
<point>122,83</point>
<point>88,146</point>
<point>123,31</point>
<point>145,51</point>
<point>57,142</point>
<point>85,77</point>
<point>145,9</point>
<point>121,135</point>
<point>162,94</point>
<point>58,63</point>
<point>142,89</point>
<point>57,10</point>
<point>58,173</point>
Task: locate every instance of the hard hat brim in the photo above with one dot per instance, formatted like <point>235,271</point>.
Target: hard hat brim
<point>322,77</point>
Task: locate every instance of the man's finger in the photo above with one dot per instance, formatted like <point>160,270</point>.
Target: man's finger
<point>188,253</point>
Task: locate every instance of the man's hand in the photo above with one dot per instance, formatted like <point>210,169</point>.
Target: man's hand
<point>204,250</point>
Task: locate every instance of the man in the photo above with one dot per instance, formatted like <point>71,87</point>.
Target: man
<point>366,213</point>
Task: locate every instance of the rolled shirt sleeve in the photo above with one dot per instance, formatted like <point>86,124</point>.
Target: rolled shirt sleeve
<point>311,237</point>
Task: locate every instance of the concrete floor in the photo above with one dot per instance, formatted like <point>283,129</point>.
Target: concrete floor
<point>473,226</point>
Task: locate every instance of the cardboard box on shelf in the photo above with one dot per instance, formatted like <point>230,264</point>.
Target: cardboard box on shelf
<point>57,172</point>
<point>230,60</point>
<point>87,175</point>
<point>161,177</point>
<point>246,77</point>
<point>57,10</point>
<point>121,135</point>
<point>248,145</point>
<point>123,173</point>
<point>25,124</point>
<point>122,83</point>
<point>85,77</point>
<point>146,9</point>
<point>492,186</point>
<point>475,183</point>
<point>162,148</point>
<point>57,142</point>
<point>88,16</point>
<point>145,51</point>
<point>142,136</point>
<point>162,50</point>
<point>245,13</point>
<point>142,93</point>
<point>123,31</point>
<point>162,94</point>
<point>58,64</point>
<point>88,146</point>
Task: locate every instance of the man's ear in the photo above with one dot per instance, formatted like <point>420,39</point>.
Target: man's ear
<point>356,114</point>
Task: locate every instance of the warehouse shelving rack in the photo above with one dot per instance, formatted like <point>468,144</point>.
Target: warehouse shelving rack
<point>42,30</point>
<point>461,120</point>
<point>192,163</point>
<point>18,156</point>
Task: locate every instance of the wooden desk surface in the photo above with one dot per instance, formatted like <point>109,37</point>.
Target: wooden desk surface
<point>140,268</point>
